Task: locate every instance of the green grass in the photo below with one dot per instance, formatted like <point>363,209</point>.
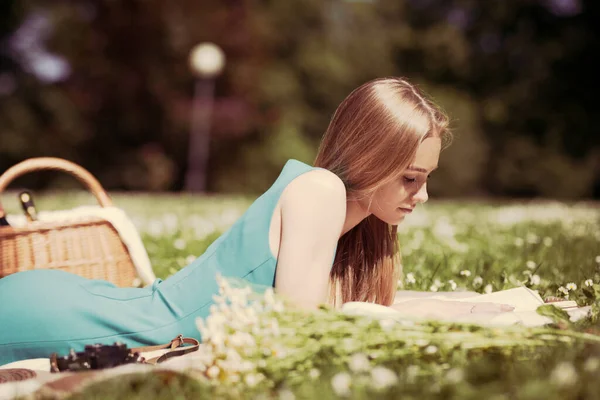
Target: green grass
<point>449,245</point>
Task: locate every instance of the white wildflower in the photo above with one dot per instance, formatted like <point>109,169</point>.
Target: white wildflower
<point>405,322</point>
<point>252,379</point>
<point>190,259</point>
<point>138,222</point>
<point>588,283</point>
<point>213,372</point>
<point>269,296</point>
<point>519,242</point>
<point>412,372</point>
<point>410,278</point>
<point>532,238</point>
<point>431,349</point>
<point>279,352</point>
<point>341,384</point>
<point>477,281</point>
<point>246,366</point>
<point>564,374</point>
<point>452,284</point>
<point>278,306</point>
<point>443,228</point>
<point>242,339</point>
<point>598,259</point>
<point>563,290</point>
<point>286,394</point>
<point>421,342</point>
<point>233,377</point>
<point>458,247</point>
<point>348,344</point>
<point>591,364</point>
<point>387,324</point>
<point>455,375</point>
<point>488,288</point>
<point>433,288</point>
<point>171,222</point>
<point>465,272</point>
<point>273,327</point>
<point>359,363</point>
<point>548,241</point>
<point>571,286</point>
<point>229,216</point>
<point>203,228</point>
<point>155,228</point>
<point>213,309</point>
<point>314,373</point>
<point>531,264</point>
<point>535,279</point>
<point>383,378</point>
<point>179,244</point>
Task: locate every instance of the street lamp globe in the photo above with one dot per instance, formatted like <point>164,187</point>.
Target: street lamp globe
<point>207,60</point>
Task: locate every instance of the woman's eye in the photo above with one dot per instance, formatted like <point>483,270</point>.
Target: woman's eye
<point>410,180</point>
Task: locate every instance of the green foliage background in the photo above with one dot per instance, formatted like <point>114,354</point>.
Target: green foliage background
<point>514,75</point>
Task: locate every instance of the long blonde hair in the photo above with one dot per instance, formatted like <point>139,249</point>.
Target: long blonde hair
<point>371,139</point>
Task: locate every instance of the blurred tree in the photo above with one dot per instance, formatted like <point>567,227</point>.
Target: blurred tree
<point>129,86</point>
<point>514,75</point>
<point>529,66</point>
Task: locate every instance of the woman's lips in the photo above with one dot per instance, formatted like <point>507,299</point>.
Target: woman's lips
<point>406,210</point>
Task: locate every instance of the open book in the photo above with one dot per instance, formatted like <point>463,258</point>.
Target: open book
<point>524,300</point>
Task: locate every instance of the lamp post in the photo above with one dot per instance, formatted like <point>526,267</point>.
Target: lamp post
<point>206,62</point>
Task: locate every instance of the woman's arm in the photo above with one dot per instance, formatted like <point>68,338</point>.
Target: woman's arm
<point>312,218</point>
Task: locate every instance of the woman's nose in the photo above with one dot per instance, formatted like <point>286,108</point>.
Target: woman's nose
<point>421,196</point>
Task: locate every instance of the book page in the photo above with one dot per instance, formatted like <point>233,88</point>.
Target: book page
<point>521,298</point>
<point>565,304</point>
<point>518,317</point>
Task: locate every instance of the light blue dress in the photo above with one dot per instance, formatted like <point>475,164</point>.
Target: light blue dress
<point>45,311</point>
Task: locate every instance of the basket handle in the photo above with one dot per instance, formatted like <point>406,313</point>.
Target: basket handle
<point>55,164</point>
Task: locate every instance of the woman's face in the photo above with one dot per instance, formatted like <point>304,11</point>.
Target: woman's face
<point>394,200</point>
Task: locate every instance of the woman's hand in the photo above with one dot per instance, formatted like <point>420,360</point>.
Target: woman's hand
<point>438,309</point>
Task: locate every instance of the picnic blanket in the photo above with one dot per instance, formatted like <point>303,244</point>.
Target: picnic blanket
<point>22,378</point>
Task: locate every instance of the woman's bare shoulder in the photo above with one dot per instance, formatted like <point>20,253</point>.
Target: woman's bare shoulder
<point>319,184</point>
<point>313,210</point>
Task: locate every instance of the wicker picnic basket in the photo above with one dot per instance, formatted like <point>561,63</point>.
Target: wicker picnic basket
<point>85,245</point>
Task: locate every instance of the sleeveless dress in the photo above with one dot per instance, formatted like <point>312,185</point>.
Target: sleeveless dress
<point>46,311</point>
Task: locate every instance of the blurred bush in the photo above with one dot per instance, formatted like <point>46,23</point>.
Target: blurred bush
<point>513,75</point>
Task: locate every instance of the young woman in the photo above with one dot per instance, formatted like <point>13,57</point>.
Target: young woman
<point>320,234</point>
